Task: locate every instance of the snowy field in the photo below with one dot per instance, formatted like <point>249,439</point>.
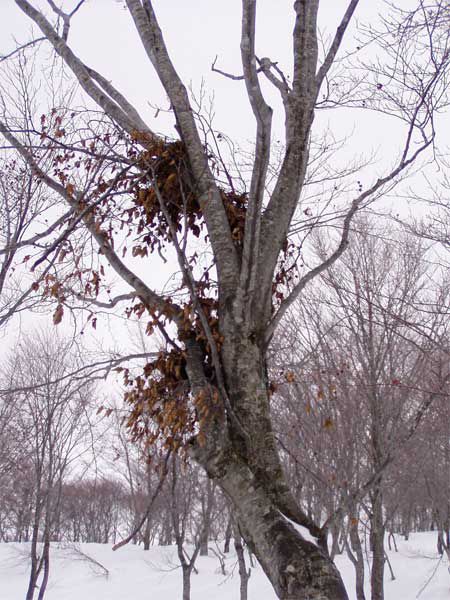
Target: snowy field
<point>134,574</point>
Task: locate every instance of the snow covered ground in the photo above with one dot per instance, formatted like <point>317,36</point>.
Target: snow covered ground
<point>134,574</point>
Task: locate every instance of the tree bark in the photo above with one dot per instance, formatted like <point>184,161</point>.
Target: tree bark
<point>335,535</point>
<point>46,566</point>
<point>248,470</point>
<point>228,532</point>
<point>207,504</point>
<point>35,562</point>
<point>146,536</point>
<point>186,583</point>
<point>356,554</point>
<point>297,568</point>
<point>377,546</point>
<point>244,575</point>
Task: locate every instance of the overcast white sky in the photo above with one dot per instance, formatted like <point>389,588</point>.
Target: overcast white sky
<point>196,31</point>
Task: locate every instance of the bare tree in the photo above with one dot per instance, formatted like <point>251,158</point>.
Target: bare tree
<point>54,421</point>
<point>182,497</point>
<point>244,573</point>
<point>208,390</point>
<point>370,337</point>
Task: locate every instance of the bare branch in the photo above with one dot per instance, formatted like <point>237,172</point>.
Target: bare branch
<point>80,217</point>
<point>109,105</point>
<point>75,202</point>
<point>21,48</point>
<point>162,478</point>
<point>39,236</point>
<point>263,116</point>
<point>209,196</point>
<point>331,55</point>
<point>356,204</point>
<point>224,73</point>
<point>279,82</point>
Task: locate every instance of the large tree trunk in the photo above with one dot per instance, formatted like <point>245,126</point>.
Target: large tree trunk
<point>243,460</point>
<point>297,568</point>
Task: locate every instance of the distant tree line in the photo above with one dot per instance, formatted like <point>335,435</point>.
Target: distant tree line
<point>359,377</point>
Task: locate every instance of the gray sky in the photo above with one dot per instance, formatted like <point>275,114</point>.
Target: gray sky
<point>196,31</point>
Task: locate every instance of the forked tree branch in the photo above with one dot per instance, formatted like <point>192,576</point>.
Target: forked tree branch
<point>280,82</point>
<point>16,245</point>
<point>209,195</point>
<point>299,108</point>
<point>355,206</point>
<point>65,16</point>
<point>335,45</point>
<point>74,200</point>
<point>101,96</point>
<point>263,117</point>
<point>299,117</point>
<point>80,217</point>
<point>192,287</point>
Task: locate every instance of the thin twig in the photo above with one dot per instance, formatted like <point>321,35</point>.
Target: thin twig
<point>155,494</point>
